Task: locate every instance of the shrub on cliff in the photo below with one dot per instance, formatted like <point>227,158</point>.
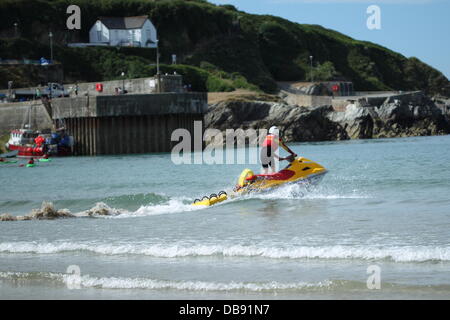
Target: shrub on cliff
<point>323,72</point>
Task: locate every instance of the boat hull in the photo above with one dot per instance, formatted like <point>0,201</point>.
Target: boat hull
<point>12,147</point>
<point>38,152</point>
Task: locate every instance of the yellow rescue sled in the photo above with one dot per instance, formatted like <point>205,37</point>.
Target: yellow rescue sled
<point>212,199</point>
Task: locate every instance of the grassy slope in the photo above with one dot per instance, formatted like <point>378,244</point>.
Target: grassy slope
<point>241,50</point>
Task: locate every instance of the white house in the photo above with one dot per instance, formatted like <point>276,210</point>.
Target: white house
<point>124,31</point>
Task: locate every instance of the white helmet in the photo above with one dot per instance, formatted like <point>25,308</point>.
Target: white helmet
<point>274,130</point>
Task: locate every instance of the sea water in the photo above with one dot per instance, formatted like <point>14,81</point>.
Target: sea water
<point>384,205</point>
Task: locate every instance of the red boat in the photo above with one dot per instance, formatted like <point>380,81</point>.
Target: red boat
<point>34,144</point>
<point>20,137</point>
<point>30,144</point>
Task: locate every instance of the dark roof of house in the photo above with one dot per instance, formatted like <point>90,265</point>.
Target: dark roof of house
<point>123,22</point>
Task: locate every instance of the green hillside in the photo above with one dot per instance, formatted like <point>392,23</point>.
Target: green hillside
<point>219,48</point>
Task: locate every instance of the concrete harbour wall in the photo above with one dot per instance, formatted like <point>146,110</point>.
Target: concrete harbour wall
<point>128,124</point>
<point>169,83</point>
<point>16,115</point>
<point>113,124</point>
<point>128,134</point>
<point>304,100</point>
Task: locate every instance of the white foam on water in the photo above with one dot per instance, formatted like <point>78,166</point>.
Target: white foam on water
<point>396,254</point>
<point>86,281</point>
<point>302,191</point>
<point>176,205</point>
<point>101,209</point>
<point>139,283</point>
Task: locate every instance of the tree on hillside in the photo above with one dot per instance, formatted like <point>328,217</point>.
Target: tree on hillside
<point>323,72</point>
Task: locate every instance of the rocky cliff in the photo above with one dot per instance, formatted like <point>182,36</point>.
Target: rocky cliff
<point>393,118</point>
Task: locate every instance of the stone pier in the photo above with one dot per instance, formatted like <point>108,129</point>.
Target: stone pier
<point>128,124</point>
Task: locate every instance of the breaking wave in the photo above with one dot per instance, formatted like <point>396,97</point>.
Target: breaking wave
<point>396,254</point>
<point>101,209</point>
<point>86,281</point>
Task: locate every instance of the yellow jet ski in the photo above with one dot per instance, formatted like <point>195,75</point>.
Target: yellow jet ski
<point>299,170</point>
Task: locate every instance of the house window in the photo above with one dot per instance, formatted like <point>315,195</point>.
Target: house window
<point>99,35</point>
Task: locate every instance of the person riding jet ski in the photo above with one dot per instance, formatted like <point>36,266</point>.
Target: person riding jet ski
<point>269,148</point>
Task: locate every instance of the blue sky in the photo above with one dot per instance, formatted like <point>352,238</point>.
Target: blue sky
<point>419,28</point>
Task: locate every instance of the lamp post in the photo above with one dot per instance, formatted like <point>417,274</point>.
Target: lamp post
<point>15,29</point>
<point>123,82</point>
<point>311,71</point>
<point>50,35</point>
<point>157,56</point>
<point>158,75</point>
<point>10,85</point>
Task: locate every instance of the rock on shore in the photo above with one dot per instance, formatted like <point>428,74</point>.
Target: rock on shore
<point>393,118</point>
<point>46,212</point>
<point>297,123</point>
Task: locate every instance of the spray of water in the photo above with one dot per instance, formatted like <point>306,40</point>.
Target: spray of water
<point>183,204</point>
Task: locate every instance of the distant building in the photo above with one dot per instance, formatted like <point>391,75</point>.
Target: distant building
<point>124,31</point>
